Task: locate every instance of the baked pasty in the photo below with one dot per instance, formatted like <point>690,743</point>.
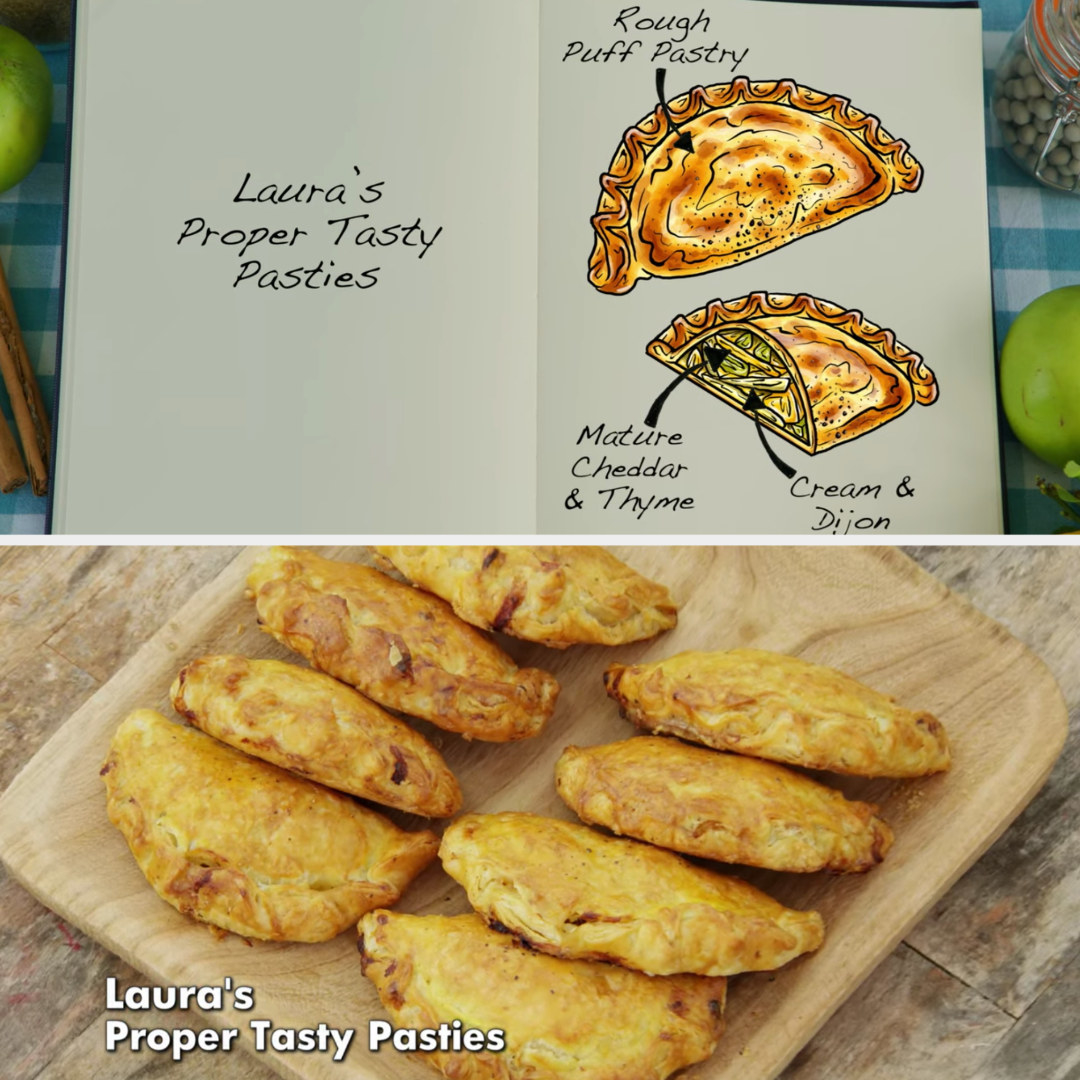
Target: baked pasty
<point>821,375</point>
<point>318,727</point>
<point>561,1018</point>
<point>771,162</point>
<point>246,846</point>
<point>782,708</point>
<point>720,806</point>
<point>568,890</point>
<point>559,596</point>
<point>399,646</point>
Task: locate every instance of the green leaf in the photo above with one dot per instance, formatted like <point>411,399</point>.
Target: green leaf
<point>1066,500</point>
<point>1072,469</point>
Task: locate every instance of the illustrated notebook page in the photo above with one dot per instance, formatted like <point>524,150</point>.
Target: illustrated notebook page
<point>765,303</point>
<point>301,270</point>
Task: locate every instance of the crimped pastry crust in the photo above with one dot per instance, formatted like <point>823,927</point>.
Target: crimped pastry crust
<point>317,727</point>
<point>779,707</point>
<point>246,846</point>
<point>570,891</point>
<point>559,596</point>
<point>562,1018</point>
<point>398,645</point>
<point>720,806</point>
<point>851,375</point>
<point>772,162</point>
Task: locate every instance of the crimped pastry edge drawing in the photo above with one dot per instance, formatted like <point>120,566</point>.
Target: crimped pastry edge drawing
<point>914,381</point>
<point>613,264</point>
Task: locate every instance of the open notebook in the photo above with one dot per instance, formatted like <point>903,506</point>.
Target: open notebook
<point>426,267</point>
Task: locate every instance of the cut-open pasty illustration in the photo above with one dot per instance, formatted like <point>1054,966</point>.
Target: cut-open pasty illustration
<point>811,371</point>
<point>771,162</point>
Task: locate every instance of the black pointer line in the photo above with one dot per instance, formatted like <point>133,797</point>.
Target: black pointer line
<point>754,403</point>
<point>682,138</point>
<point>713,356</point>
<point>654,411</point>
<point>712,360</point>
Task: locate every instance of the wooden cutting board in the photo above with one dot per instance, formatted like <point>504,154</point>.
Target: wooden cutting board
<point>869,611</point>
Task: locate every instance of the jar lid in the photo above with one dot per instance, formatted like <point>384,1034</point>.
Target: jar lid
<point>1056,25</point>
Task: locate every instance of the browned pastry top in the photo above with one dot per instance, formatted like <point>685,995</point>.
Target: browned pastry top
<point>246,846</point>
<point>559,595</point>
<point>561,1018</point>
<point>317,727</point>
<point>400,646</point>
<point>720,806</point>
<point>772,161</point>
<point>571,891</point>
<point>779,707</point>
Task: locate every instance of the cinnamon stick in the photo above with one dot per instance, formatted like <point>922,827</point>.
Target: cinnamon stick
<point>27,404</point>
<point>12,470</point>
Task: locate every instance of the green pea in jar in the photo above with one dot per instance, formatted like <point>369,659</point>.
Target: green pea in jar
<point>1036,97</point>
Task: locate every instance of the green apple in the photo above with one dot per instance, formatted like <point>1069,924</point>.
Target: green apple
<point>25,106</point>
<point>1040,376</point>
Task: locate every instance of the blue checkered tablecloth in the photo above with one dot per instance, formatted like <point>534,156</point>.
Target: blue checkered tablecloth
<point>1034,247</point>
<point>1034,237</point>
<point>30,219</point>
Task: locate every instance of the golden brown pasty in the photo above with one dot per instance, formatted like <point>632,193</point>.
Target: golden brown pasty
<point>246,846</point>
<point>315,726</point>
<point>561,1018</point>
<point>398,645</point>
<point>568,890</point>
<point>782,708</point>
<point>771,162</point>
<point>559,596</point>
<point>720,806</point>
<point>821,375</point>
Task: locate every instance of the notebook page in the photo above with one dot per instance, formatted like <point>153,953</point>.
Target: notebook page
<point>845,453</point>
<point>301,268</point>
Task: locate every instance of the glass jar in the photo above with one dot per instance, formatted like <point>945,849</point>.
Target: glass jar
<point>1036,96</point>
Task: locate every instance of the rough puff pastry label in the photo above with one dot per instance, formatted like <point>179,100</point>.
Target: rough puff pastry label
<point>720,806</point>
<point>317,727</point>
<point>568,890</point>
<point>561,1018</point>
<point>771,162</point>
<point>400,646</point>
<point>779,707</point>
<point>246,846</point>
<point>558,596</point>
<point>822,375</point>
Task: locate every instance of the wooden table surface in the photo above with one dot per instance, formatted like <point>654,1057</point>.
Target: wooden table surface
<point>987,987</point>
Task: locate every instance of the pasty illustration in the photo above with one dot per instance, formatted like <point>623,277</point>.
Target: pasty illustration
<point>568,890</point>
<point>246,846</point>
<point>820,375</point>
<point>400,646</point>
<point>779,707</point>
<point>720,806</point>
<point>771,162</point>
<point>559,1018</point>
<point>556,595</point>
<point>313,725</point>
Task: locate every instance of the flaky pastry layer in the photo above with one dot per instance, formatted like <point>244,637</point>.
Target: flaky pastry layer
<point>562,1018</point>
<point>568,890</point>
<point>556,595</point>
<point>246,846</point>
<point>720,806</point>
<point>315,726</point>
<point>403,648</point>
<point>782,708</point>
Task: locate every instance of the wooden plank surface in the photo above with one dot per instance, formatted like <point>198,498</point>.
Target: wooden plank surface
<point>52,978</point>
